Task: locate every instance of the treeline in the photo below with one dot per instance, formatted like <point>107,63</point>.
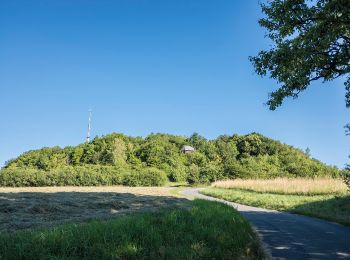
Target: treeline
<point>89,175</point>
<point>236,156</point>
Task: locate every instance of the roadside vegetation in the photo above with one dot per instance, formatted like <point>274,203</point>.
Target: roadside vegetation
<point>346,177</point>
<point>288,186</point>
<point>206,230</point>
<point>117,159</point>
<point>323,198</point>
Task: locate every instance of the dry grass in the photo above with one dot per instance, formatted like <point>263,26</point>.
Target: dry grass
<point>298,186</point>
<point>23,208</point>
<point>160,191</point>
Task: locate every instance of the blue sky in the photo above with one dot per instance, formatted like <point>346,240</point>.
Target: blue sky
<point>175,66</point>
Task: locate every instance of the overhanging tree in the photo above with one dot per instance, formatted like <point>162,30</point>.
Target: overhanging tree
<point>311,42</point>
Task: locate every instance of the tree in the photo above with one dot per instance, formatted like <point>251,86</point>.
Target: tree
<point>197,141</point>
<point>311,42</point>
<point>112,156</point>
<point>250,145</point>
<point>76,154</point>
<point>118,151</point>
<point>308,152</point>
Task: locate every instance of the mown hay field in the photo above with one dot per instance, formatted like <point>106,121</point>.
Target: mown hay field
<point>120,223</point>
<point>24,208</point>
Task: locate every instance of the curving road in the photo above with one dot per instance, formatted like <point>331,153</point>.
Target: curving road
<point>291,236</point>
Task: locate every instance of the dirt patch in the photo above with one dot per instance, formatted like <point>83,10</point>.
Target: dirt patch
<point>23,208</point>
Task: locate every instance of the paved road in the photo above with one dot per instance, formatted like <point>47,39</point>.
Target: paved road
<point>291,236</point>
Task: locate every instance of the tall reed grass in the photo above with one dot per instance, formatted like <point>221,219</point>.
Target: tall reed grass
<point>295,186</point>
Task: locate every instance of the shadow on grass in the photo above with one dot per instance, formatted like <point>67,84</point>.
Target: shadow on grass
<point>336,209</point>
<point>180,185</point>
<point>26,210</point>
<point>313,193</point>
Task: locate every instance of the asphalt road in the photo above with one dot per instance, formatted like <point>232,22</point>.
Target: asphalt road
<point>291,236</point>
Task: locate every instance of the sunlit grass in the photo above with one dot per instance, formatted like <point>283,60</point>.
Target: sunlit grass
<point>296,186</point>
<point>207,230</point>
<point>330,207</point>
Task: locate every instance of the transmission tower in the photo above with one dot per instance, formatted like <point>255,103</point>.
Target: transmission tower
<point>89,127</point>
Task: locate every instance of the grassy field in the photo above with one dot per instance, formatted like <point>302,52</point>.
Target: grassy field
<point>317,198</point>
<point>207,230</point>
<point>23,208</point>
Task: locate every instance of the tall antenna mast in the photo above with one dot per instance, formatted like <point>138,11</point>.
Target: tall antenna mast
<point>89,127</point>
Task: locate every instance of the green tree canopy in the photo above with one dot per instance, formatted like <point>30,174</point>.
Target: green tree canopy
<point>311,42</point>
<point>237,156</point>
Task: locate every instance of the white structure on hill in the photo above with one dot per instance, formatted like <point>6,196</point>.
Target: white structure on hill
<point>187,149</point>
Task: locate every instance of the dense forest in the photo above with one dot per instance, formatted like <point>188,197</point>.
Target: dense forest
<point>157,158</point>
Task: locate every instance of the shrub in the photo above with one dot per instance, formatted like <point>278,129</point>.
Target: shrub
<point>204,175</point>
<point>153,177</point>
<point>235,170</point>
<point>178,174</point>
<point>18,177</point>
<point>193,174</point>
<point>132,179</point>
<point>145,177</point>
<point>346,178</point>
<point>82,176</point>
<point>210,173</point>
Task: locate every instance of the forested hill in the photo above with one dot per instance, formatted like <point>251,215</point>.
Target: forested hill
<point>236,156</point>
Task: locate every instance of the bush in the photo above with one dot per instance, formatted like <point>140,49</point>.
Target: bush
<point>153,177</point>
<point>193,175</point>
<point>145,177</point>
<point>210,173</point>
<point>204,175</point>
<point>346,178</point>
<point>178,174</point>
<point>235,170</point>
<point>82,176</point>
<point>18,177</point>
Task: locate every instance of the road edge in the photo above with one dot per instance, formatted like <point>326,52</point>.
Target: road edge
<point>264,247</point>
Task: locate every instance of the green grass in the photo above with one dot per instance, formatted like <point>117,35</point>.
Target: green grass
<point>207,230</point>
<point>330,207</point>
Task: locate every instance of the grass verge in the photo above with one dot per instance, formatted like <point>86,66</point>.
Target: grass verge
<point>329,207</point>
<point>206,230</point>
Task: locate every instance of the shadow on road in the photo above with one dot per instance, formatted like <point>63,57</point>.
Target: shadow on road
<point>292,236</point>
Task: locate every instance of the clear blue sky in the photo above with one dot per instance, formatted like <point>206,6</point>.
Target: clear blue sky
<point>174,66</point>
